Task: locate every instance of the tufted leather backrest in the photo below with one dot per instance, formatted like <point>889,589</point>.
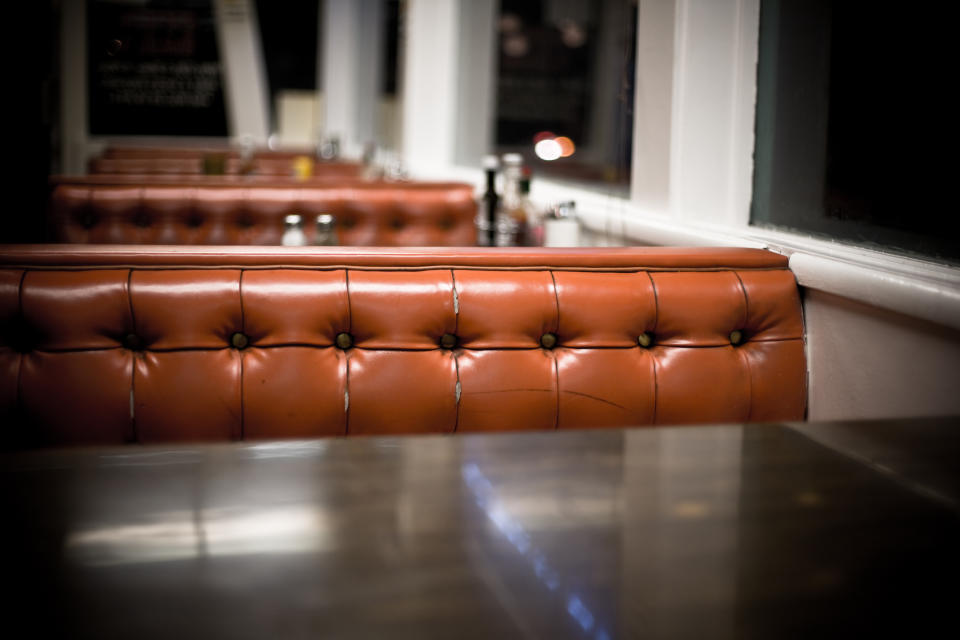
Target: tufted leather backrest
<point>115,151</point>
<point>367,214</point>
<point>111,346</point>
<point>194,165</point>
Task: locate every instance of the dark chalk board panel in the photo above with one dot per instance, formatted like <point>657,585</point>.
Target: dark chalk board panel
<point>154,69</point>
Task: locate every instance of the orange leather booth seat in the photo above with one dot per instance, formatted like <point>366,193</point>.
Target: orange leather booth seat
<point>194,165</point>
<point>101,345</point>
<point>88,211</point>
<point>115,151</point>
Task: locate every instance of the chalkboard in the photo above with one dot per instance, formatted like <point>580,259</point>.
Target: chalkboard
<point>154,69</point>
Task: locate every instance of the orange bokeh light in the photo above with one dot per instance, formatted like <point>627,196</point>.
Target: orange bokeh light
<point>566,146</point>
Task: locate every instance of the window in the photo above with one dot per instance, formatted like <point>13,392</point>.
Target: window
<point>565,74</point>
<point>853,117</point>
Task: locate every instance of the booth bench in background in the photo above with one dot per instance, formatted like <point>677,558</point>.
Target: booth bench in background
<point>88,210</point>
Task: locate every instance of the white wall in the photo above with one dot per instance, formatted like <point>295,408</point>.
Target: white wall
<point>866,362</point>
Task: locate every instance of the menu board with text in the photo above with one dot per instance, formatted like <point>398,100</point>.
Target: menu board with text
<point>154,69</point>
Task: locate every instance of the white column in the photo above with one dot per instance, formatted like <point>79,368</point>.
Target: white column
<point>352,71</point>
<point>714,93</point>
<point>245,79</point>
<point>476,81</point>
<point>429,85</point>
<point>653,104</point>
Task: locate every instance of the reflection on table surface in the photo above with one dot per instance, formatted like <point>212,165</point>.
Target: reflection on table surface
<point>718,531</point>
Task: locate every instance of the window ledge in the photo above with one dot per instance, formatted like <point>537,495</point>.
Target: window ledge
<point>904,285</point>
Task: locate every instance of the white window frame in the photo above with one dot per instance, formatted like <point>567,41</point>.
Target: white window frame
<point>693,145</point>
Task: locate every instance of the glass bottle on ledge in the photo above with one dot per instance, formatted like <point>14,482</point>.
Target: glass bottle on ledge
<point>534,215</point>
<point>247,164</point>
<point>511,218</point>
<point>325,234</point>
<point>371,168</point>
<point>293,235</point>
<point>329,148</point>
<point>487,204</point>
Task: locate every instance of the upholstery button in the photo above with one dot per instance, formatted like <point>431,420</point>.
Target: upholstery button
<point>736,337</point>
<point>133,342</point>
<point>548,341</point>
<point>88,220</point>
<point>445,223</point>
<point>239,341</point>
<point>396,223</point>
<point>448,341</point>
<point>344,340</point>
<point>645,339</point>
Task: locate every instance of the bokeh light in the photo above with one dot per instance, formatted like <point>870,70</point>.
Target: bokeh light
<point>548,146</point>
<point>547,149</point>
<point>566,146</point>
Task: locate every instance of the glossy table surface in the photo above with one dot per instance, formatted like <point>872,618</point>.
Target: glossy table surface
<point>764,531</point>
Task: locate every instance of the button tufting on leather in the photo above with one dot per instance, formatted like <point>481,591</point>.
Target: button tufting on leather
<point>448,341</point>
<point>133,342</point>
<point>239,340</point>
<point>645,339</point>
<point>736,337</point>
<point>548,341</point>
<point>344,340</point>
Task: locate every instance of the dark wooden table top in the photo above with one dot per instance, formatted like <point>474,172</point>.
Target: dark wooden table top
<point>764,531</point>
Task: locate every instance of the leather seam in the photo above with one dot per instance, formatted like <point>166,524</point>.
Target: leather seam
<point>656,305</point>
<point>19,403</point>
<point>459,396</point>
<point>556,378</point>
<point>556,299</point>
<point>346,391</point>
<point>656,384</point>
<point>243,328</point>
<point>456,308</point>
<point>746,300</point>
<point>133,433</point>
<point>242,425</point>
<point>456,359</point>
<point>346,287</point>
<point>746,363</point>
<point>553,353</point>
